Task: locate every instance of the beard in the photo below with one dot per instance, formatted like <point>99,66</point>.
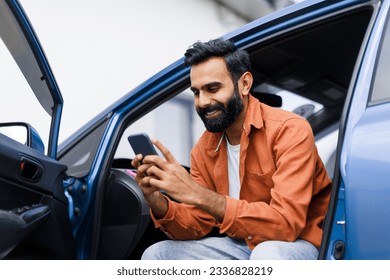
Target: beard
<point>229,113</point>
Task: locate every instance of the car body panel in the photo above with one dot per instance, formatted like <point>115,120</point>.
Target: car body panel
<point>367,175</point>
<point>365,157</point>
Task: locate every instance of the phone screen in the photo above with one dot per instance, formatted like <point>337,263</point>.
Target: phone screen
<point>141,144</point>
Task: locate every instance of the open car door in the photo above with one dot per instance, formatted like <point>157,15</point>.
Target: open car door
<point>34,220</point>
<point>360,220</point>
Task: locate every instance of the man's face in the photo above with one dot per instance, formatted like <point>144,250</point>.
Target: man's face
<point>217,99</point>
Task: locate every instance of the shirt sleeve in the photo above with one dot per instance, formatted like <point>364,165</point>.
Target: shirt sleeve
<point>184,222</point>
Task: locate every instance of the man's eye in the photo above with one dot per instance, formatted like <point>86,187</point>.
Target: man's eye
<point>213,89</point>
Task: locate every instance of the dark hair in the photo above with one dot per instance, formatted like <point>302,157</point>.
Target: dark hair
<point>237,60</point>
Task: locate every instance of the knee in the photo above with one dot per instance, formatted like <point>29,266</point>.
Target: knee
<point>267,250</point>
<point>156,251</point>
<point>283,250</point>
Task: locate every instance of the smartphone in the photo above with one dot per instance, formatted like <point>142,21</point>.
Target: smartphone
<point>142,144</point>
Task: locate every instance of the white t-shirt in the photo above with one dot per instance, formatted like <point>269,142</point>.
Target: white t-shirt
<point>233,153</point>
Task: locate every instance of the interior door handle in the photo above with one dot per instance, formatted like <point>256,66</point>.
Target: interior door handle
<point>30,169</point>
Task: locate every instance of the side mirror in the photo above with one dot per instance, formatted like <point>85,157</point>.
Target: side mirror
<point>23,133</point>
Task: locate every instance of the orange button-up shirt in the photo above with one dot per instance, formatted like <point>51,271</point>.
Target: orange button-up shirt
<point>285,188</point>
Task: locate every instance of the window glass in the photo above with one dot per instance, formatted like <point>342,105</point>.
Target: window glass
<point>174,123</point>
<point>380,92</point>
<point>79,158</point>
<point>18,102</point>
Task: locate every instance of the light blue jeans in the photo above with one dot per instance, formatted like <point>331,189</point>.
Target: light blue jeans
<point>226,248</point>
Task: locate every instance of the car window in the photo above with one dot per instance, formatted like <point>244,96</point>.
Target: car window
<point>18,102</point>
<point>174,123</point>
<point>79,158</point>
<point>380,91</point>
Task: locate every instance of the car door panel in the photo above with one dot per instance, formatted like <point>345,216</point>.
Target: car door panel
<point>25,166</point>
<point>360,229</point>
<point>367,156</point>
<point>33,208</point>
<point>367,187</point>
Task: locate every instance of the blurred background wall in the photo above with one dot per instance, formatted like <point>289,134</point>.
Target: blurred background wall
<point>99,50</point>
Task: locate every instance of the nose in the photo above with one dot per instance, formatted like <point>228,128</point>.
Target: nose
<point>203,99</point>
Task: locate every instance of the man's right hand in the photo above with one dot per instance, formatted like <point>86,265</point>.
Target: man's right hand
<point>152,195</point>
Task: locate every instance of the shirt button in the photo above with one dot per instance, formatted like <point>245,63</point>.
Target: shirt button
<point>250,237</point>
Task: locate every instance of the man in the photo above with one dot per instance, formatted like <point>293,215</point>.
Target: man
<point>255,173</point>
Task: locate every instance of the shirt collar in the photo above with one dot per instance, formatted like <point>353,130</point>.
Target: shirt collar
<point>253,117</point>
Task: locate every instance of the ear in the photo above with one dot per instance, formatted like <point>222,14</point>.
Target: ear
<point>246,81</point>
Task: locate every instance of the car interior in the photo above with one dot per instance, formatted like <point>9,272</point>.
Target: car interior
<point>314,62</point>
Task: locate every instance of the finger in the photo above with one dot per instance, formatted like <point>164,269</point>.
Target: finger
<point>151,159</point>
<point>136,162</point>
<point>157,161</point>
<point>164,150</point>
<point>143,169</point>
<point>155,172</point>
<point>141,173</point>
<point>146,186</point>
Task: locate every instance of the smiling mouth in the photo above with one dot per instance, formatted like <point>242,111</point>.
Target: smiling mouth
<point>213,114</point>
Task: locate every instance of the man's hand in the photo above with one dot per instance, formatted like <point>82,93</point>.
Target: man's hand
<point>152,195</point>
<point>166,174</point>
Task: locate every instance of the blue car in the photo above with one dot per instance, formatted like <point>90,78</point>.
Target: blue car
<point>328,61</point>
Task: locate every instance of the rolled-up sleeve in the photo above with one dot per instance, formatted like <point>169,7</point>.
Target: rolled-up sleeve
<point>184,222</point>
